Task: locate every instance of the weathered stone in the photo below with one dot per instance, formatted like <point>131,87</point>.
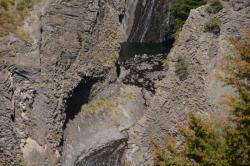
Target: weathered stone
<point>63,100</point>
<point>201,92</point>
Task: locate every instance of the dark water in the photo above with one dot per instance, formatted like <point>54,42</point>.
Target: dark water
<point>129,50</point>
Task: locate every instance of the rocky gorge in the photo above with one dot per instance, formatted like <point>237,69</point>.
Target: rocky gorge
<point>68,97</point>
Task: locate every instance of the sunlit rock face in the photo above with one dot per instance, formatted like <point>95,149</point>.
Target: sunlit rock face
<point>68,64</point>
<point>74,46</point>
<point>97,135</point>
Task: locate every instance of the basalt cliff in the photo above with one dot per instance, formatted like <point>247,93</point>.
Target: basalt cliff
<point>67,97</point>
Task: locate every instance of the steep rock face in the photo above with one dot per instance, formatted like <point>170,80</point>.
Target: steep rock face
<point>97,136</point>
<point>73,41</point>
<point>201,92</point>
<point>63,101</point>
<point>20,75</point>
<point>148,22</point>
<point>127,18</point>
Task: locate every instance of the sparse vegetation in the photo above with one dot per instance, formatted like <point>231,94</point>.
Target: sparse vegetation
<point>165,62</point>
<point>204,146</point>
<point>23,5</point>
<point>181,68</point>
<point>214,6</point>
<point>4,4</point>
<point>79,38</point>
<point>1,55</point>
<point>213,25</point>
<point>109,102</point>
<point>12,13</point>
<point>217,141</point>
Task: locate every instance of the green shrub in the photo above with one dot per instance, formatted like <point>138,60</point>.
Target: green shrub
<point>165,62</point>
<point>20,6</point>
<point>181,69</point>
<point>28,3</point>
<point>4,4</point>
<point>214,7</point>
<point>213,25</point>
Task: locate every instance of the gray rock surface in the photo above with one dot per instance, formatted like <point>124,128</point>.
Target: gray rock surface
<point>143,71</point>
<point>201,92</point>
<point>72,41</point>
<point>97,136</point>
<point>62,97</point>
<point>148,22</point>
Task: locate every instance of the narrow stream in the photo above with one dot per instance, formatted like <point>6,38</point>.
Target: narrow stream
<point>129,50</point>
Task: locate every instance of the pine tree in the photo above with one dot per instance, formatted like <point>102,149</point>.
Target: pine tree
<point>238,76</point>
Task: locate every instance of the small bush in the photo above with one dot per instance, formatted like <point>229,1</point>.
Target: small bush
<point>4,4</point>
<point>20,6</point>
<point>214,7</point>
<point>28,3</point>
<point>213,25</point>
<point>181,69</point>
<point>165,62</point>
<point>1,55</point>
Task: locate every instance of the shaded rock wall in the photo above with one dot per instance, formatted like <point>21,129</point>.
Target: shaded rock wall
<point>148,22</point>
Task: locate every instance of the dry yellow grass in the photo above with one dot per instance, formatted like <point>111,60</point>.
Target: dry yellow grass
<point>12,13</point>
<point>112,101</point>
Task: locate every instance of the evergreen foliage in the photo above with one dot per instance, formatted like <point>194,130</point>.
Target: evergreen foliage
<point>238,76</point>
<point>179,12</point>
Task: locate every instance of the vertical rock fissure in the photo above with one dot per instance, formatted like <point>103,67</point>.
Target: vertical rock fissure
<point>148,20</point>
<point>118,69</point>
<point>79,96</point>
